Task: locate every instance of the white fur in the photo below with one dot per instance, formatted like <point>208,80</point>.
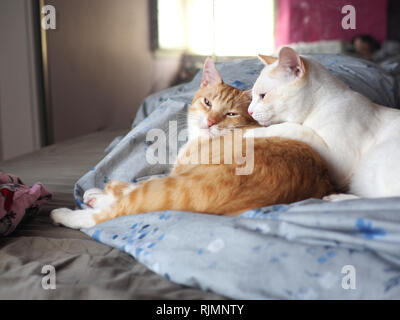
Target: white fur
<point>297,132</point>
<point>362,138</point>
<point>98,198</point>
<point>75,219</point>
<point>340,197</point>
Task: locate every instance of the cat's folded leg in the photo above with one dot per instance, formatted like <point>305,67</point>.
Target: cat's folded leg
<point>292,131</point>
<point>119,189</point>
<point>287,130</point>
<point>97,198</point>
<point>75,219</point>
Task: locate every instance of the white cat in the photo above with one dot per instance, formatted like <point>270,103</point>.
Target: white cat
<point>299,99</point>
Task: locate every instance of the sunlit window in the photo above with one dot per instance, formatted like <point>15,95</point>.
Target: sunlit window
<point>220,27</point>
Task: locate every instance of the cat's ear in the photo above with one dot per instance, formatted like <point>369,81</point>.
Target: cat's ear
<point>290,62</point>
<point>210,74</point>
<point>249,93</point>
<point>267,59</point>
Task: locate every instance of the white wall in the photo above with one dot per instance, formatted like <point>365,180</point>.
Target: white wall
<point>19,121</point>
<point>100,69</point>
<point>100,64</point>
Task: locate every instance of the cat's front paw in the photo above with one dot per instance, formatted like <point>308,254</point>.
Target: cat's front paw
<point>97,198</point>
<point>57,215</point>
<point>275,130</point>
<point>257,133</point>
<point>75,219</point>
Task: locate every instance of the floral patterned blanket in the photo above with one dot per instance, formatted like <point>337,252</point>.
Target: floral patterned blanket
<point>18,201</point>
<point>308,250</point>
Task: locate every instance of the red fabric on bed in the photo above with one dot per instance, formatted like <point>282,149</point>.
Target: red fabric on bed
<point>18,200</point>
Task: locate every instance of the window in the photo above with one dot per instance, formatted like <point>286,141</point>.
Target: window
<point>216,27</point>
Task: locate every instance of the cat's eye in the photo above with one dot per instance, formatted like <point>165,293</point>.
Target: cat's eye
<point>232,114</point>
<point>262,95</point>
<point>207,102</point>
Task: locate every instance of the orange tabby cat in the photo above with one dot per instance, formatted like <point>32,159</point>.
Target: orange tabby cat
<point>282,170</point>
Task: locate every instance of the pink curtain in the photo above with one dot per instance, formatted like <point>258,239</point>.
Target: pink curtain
<point>313,20</point>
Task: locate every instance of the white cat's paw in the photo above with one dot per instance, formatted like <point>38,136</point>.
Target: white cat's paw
<point>57,214</point>
<point>76,219</point>
<point>97,198</point>
<point>340,197</point>
<point>276,130</point>
<point>257,133</point>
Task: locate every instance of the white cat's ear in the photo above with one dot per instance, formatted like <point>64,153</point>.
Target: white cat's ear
<point>211,75</point>
<point>267,59</point>
<point>290,62</point>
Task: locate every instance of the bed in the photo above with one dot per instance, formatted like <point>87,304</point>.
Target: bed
<point>85,268</point>
<point>298,251</point>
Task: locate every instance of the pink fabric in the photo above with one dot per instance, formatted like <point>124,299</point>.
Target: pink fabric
<point>17,201</point>
<point>314,20</point>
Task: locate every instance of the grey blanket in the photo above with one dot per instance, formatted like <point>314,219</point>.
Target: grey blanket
<point>85,268</point>
<point>310,250</point>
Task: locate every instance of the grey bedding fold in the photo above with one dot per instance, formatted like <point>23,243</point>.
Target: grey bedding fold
<point>85,269</point>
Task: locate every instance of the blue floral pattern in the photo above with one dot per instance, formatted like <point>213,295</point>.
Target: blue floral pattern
<point>292,251</point>
<point>288,252</point>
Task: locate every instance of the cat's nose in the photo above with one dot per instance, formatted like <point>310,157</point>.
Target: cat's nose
<point>211,122</point>
<point>251,113</point>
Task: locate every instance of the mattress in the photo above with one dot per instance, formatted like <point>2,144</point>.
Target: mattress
<point>84,268</point>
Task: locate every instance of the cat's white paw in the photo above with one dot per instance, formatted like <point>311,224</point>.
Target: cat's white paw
<point>284,130</point>
<point>56,214</point>
<point>257,133</point>
<point>340,197</point>
<point>97,198</point>
<point>76,219</point>
<point>292,131</point>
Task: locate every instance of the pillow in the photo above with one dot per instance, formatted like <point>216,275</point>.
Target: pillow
<point>360,75</point>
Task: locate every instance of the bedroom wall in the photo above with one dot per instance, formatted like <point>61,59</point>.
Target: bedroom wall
<point>314,20</point>
<point>100,65</point>
<point>19,88</point>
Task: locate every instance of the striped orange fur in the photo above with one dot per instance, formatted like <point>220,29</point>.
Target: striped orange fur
<point>284,171</point>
